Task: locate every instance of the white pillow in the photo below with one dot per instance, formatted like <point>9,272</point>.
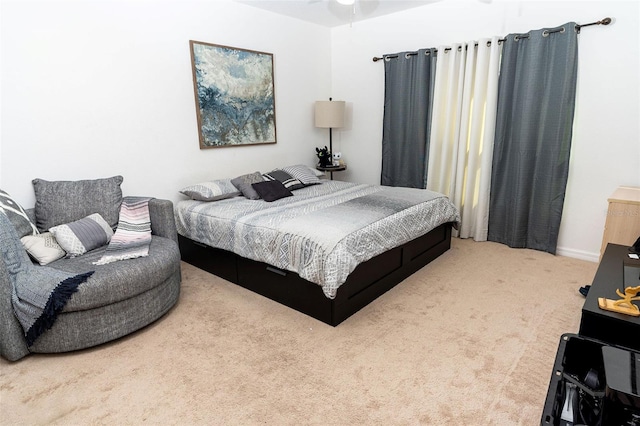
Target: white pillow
<point>83,235</point>
<point>43,247</point>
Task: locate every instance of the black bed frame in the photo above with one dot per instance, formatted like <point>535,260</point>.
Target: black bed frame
<point>368,281</point>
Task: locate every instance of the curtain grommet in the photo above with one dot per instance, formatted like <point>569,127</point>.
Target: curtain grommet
<point>545,33</point>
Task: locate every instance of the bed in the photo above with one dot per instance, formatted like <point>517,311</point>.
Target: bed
<point>327,251</point>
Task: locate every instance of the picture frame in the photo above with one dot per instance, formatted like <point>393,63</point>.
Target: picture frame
<point>234,94</point>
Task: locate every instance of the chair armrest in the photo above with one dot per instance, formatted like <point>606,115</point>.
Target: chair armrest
<point>13,345</point>
<point>163,221</point>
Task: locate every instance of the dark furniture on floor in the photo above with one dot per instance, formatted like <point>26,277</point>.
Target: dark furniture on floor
<point>593,383</point>
<point>368,281</point>
<point>596,375</point>
<point>611,327</point>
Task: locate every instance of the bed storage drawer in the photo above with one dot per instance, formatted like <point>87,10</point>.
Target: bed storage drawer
<point>285,287</point>
<point>368,281</point>
<point>219,262</point>
<point>370,273</point>
<point>380,274</point>
<point>421,245</point>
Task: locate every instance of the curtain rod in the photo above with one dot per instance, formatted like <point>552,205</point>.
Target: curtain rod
<point>605,21</point>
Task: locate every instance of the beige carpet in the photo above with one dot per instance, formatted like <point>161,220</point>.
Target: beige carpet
<point>469,339</point>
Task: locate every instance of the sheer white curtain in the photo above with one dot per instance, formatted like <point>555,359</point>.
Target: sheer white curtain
<point>463,129</point>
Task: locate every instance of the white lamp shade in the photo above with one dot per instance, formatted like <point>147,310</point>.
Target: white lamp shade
<point>330,114</point>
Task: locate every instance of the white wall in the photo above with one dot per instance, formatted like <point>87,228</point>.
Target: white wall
<point>98,88</point>
<point>606,140</point>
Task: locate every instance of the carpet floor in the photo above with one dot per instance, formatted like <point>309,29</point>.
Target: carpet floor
<point>469,339</point>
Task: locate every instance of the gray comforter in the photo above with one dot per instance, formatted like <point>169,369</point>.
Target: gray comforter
<point>322,232</point>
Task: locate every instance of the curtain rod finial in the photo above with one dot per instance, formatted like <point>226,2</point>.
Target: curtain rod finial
<point>605,21</point>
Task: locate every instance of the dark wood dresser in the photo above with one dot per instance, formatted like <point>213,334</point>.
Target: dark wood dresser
<point>611,327</point>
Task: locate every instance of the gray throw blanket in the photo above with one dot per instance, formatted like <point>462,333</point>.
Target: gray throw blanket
<point>39,292</point>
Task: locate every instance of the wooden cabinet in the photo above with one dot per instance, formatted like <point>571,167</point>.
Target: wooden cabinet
<point>623,218</point>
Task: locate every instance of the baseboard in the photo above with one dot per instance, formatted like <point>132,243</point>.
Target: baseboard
<point>578,254</point>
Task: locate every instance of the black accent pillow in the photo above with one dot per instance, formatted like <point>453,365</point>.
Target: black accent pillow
<point>285,178</point>
<point>271,190</point>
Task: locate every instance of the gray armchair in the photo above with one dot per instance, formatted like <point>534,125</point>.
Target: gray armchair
<point>118,299</point>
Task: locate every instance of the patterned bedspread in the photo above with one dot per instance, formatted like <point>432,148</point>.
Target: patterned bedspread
<point>323,232</point>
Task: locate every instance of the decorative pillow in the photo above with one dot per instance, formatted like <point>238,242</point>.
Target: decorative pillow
<point>304,174</point>
<point>66,201</point>
<point>17,216</point>
<point>83,235</point>
<point>243,183</point>
<point>318,173</point>
<point>43,247</point>
<point>285,178</point>
<point>211,191</point>
<point>271,190</point>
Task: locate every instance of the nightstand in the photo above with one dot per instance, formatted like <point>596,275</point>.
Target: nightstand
<point>332,169</point>
<point>623,218</point>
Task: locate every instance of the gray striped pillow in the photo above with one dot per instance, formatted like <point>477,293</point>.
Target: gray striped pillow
<point>303,173</point>
<point>16,214</point>
<point>211,191</point>
<point>83,235</point>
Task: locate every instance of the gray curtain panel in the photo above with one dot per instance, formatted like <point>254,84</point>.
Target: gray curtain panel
<point>536,102</point>
<point>409,81</point>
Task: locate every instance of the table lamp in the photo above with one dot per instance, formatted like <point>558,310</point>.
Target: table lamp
<point>329,114</point>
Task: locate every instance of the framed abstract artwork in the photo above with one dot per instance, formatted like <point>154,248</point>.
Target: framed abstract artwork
<point>235,102</point>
